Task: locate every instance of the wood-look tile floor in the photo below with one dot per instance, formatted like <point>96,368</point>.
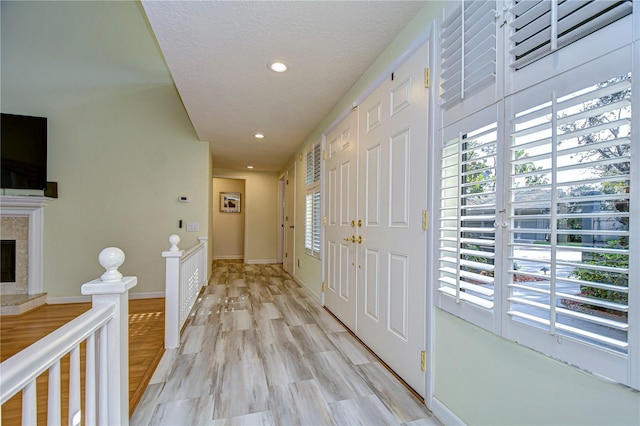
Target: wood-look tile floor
<point>257,350</point>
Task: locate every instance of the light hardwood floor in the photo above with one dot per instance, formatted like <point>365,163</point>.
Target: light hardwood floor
<point>258,351</point>
<point>146,338</point>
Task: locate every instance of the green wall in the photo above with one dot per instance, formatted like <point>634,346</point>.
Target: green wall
<point>121,145</point>
<point>487,380</point>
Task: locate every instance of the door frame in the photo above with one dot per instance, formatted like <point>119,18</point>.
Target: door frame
<point>287,205</point>
<point>428,35</point>
<point>281,213</point>
<point>243,206</point>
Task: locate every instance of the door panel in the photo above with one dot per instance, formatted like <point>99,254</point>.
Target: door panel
<point>399,176</point>
<point>371,284</point>
<point>372,189</point>
<point>398,293</point>
<point>376,173</point>
<point>393,146</point>
<point>340,211</point>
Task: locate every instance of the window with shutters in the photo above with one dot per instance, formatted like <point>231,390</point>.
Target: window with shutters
<point>537,234</point>
<point>570,168</point>
<point>548,37</point>
<point>468,56</point>
<point>542,27</point>
<point>468,200</point>
<point>312,201</point>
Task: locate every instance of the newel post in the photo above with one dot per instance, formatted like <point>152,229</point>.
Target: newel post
<point>171,294</point>
<point>113,289</point>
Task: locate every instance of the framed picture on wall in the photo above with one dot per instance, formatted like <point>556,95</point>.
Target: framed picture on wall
<point>230,202</point>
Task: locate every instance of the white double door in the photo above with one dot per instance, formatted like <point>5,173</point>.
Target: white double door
<point>375,195</point>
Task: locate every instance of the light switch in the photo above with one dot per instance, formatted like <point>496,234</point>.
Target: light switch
<point>193,227</point>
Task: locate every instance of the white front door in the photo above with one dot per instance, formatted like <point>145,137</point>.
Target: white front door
<point>392,285</point>
<point>341,220</point>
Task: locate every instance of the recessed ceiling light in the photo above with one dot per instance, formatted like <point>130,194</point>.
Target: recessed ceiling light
<point>249,167</point>
<point>259,136</point>
<point>278,66</point>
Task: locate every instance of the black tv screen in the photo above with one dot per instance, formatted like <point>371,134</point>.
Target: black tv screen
<point>24,152</point>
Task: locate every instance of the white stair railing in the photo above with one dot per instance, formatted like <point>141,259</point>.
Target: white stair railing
<point>105,329</point>
<point>186,274</point>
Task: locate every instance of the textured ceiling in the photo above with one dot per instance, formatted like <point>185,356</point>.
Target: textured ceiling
<point>218,52</point>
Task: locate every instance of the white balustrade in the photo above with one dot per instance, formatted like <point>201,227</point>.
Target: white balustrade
<point>106,366</point>
<point>186,274</point>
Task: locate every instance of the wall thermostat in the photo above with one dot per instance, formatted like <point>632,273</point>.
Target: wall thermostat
<point>183,199</point>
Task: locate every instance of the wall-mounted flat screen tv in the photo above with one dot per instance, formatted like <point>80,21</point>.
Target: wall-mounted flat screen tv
<point>24,152</point>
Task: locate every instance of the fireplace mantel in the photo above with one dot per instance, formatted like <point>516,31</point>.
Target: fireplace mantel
<point>31,207</point>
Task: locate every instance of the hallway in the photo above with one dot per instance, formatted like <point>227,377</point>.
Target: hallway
<point>257,350</point>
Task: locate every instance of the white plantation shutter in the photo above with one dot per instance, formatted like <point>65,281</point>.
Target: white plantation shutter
<point>308,222</point>
<point>467,219</point>
<point>468,51</point>
<point>315,247</point>
<point>312,223</point>
<point>313,164</point>
<point>570,179</point>
<point>312,201</point>
<point>316,162</point>
<point>537,239</point>
<point>541,27</point>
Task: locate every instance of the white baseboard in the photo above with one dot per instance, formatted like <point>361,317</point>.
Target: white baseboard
<point>308,290</point>
<point>231,256</point>
<point>444,414</point>
<point>260,261</point>
<point>85,299</point>
<point>149,295</point>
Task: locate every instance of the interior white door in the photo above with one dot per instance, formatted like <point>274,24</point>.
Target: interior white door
<point>341,220</point>
<point>289,185</point>
<point>392,179</point>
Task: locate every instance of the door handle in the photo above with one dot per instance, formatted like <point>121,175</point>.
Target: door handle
<point>291,226</point>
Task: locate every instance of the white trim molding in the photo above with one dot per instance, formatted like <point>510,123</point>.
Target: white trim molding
<point>31,207</point>
<point>444,414</point>
<point>85,299</point>
<point>260,261</point>
<point>310,292</point>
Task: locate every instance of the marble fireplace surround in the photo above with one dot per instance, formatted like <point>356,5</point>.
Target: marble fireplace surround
<point>32,208</point>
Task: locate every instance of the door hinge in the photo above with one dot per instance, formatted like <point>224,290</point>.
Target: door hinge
<point>324,220</point>
<point>323,286</point>
<point>425,219</point>
<point>423,360</point>
<point>427,79</point>
<point>324,154</point>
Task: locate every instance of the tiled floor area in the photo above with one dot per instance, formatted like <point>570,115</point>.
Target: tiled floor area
<point>258,351</point>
